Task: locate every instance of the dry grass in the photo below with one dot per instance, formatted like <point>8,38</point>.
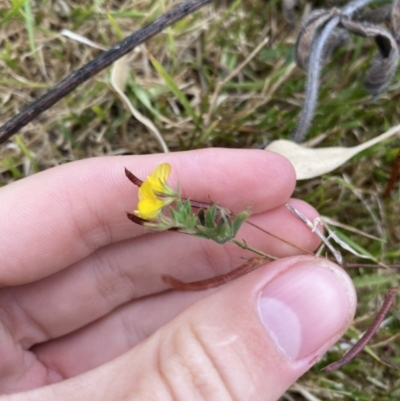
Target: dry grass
<point>229,105</point>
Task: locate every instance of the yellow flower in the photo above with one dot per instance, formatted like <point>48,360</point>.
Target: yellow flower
<point>158,179</point>
<point>154,193</point>
<point>149,205</point>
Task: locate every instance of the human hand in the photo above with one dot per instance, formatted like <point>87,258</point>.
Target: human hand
<point>84,312</point>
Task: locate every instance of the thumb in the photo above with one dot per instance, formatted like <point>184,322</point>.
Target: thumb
<point>248,341</point>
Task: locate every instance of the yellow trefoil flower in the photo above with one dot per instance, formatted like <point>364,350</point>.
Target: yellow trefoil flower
<point>154,192</point>
<point>158,178</point>
<point>149,205</point>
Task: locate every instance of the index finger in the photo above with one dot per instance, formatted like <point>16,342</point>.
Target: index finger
<point>57,217</point>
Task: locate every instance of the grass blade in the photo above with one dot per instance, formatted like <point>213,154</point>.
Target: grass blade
<point>173,87</point>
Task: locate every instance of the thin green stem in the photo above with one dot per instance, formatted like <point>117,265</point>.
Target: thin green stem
<point>247,247</point>
<point>279,238</point>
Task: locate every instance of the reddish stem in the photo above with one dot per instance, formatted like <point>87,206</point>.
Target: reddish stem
<point>245,268</point>
<point>360,345</point>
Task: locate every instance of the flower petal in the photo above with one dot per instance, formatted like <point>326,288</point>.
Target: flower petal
<point>149,208</point>
<point>146,191</point>
<point>149,205</point>
<point>158,178</point>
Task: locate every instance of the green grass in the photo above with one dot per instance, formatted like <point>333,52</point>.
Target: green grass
<point>174,80</point>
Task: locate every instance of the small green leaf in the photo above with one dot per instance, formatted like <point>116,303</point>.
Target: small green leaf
<point>239,220</point>
<point>224,234</point>
<point>204,232</point>
<point>210,216</point>
<point>187,207</point>
<point>175,215</point>
<point>191,222</point>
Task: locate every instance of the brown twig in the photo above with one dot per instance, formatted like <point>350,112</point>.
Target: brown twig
<point>387,304</point>
<point>243,269</point>
<point>92,68</point>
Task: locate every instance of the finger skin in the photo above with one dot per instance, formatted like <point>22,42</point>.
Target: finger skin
<point>55,218</point>
<point>116,274</point>
<point>218,348</point>
<point>65,303</point>
<point>73,216</point>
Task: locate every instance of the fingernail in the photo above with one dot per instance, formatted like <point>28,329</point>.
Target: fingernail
<point>306,307</point>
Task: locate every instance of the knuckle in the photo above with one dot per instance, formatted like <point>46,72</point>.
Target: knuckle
<point>188,369</point>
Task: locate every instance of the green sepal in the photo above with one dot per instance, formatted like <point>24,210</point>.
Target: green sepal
<point>239,220</point>
<point>182,216</point>
<point>210,216</point>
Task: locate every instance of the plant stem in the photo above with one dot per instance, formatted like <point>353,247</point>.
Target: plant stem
<point>247,247</point>
<point>92,68</point>
<point>314,69</point>
<point>364,340</point>
<point>245,268</point>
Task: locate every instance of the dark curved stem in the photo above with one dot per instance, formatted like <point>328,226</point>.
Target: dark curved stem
<point>95,66</point>
<point>313,74</point>
<point>389,300</point>
<point>314,69</point>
